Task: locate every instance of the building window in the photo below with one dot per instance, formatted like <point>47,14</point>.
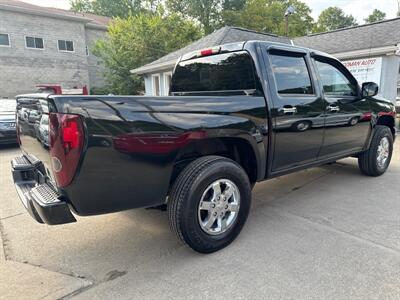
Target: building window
<point>156,84</point>
<point>167,82</point>
<point>34,42</point>
<point>4,40</point>
<point>67,46</point>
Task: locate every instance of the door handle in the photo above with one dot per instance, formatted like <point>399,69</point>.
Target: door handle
<point>333,108</point>
<point>289,110</point>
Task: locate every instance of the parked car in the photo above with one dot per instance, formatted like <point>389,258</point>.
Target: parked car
<point>200,150</point>
<point>8,133</point>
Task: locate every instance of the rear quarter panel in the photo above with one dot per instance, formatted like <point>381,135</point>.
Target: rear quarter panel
<point>133,143</point>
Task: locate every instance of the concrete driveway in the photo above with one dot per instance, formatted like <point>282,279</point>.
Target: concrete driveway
<point>327,232</point>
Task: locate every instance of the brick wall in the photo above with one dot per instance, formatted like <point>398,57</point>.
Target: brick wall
<point>21,69</point>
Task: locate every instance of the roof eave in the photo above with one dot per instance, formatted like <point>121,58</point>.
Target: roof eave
<point>96,26</point>
<point>154,67</point>
<point>43,13</point>
<point>386,50</point>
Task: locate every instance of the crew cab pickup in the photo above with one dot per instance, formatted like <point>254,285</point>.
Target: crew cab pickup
<point>237,114</point>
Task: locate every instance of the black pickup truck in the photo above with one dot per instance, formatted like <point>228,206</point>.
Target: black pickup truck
<point>237,114</point>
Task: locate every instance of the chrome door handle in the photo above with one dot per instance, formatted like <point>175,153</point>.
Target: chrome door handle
<point>289,110</point>
<point>333,108</point>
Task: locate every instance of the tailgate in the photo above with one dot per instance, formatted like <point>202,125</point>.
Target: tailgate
<point>33,128</point>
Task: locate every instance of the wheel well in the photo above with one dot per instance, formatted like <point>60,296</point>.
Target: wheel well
<point>237,149</point>
<point>387,121</point>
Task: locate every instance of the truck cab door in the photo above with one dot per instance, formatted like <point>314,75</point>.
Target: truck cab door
<point>347,121</point>
<point>298,109</point>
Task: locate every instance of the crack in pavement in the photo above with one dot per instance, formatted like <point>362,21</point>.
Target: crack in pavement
<point>86,281</point>
<point>110,275</point>
<point>16,215</point>
<point>4,242</point>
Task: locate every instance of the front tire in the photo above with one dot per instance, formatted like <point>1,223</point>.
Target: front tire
<point>209,203</point>
<point>375,161</point>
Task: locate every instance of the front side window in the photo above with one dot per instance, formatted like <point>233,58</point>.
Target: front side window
<point>334,81</point>
<point>65,45</point>
<point>34,42</point>
<point>291,74</point>
<point>4,39</point>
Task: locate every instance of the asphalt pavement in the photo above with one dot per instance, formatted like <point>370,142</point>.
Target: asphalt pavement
<point>323,233</point>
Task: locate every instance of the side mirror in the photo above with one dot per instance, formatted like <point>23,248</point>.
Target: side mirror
<point>369,89</point>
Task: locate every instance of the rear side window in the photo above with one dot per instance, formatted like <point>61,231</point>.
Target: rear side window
<point>228,72</point>
<point>291,74</point>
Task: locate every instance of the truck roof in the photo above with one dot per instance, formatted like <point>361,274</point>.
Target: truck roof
<point>237,46</point>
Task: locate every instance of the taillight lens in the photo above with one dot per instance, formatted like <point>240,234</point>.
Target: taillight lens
<point>66,145</point>
<point>210,51</point>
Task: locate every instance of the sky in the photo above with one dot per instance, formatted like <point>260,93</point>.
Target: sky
<point>360,9</point>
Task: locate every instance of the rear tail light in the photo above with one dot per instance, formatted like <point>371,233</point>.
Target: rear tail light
<point>66,146</point>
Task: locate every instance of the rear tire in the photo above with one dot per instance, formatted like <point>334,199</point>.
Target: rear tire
<point>375,161</point>
<point>207,186</point>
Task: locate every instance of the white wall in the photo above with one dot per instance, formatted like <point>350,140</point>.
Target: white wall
<point>389,77</point>
<point>149,84</point>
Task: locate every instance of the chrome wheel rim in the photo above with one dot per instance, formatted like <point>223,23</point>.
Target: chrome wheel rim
<point>383,152</point>
<point>302,126</point>
<point>219,207</point>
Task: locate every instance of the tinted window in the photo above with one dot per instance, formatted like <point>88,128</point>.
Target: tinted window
<point>33,42</point>
<point>4,40</point>
<point>335,81</point>
<point>70,45</point>
<point>65,45</point>
<point>291,74</point>
<point>39,43</point>
<point>231,72</point>
<point>30,42</point>
<point>61,45</point>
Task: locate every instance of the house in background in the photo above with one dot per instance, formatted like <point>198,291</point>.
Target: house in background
<point>371,52</point>
<point>157,74</point>
<point>41,45</point>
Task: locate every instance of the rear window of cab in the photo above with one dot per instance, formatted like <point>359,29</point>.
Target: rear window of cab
<point>231,73</point>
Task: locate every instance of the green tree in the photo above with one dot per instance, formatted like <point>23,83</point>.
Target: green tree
<point>138,40</point>
<point>376,16</point>
<point>118,8</point>
<point>234,5</point>
<point>268,16</point>
<point>333,18</point>
<point>206,12</point>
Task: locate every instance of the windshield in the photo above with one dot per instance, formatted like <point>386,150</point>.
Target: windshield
<point>229,72</point>
<point>7,105</point>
